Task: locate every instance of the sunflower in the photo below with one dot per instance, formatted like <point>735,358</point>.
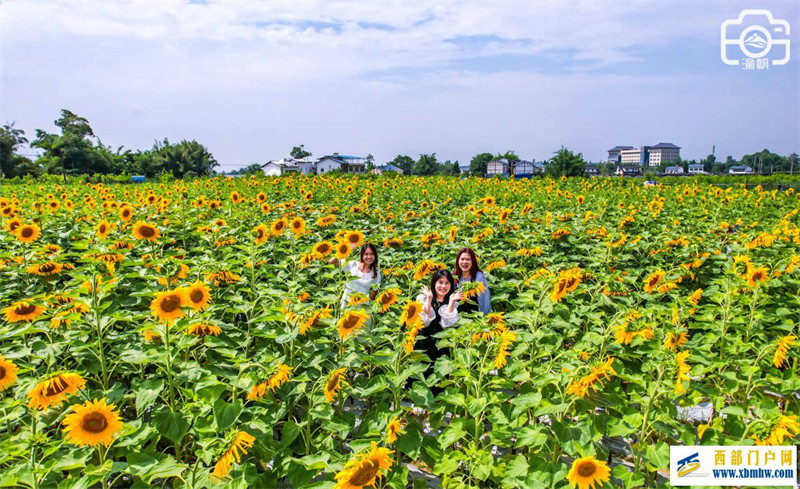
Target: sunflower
<point>278,226</point>
<point>265,208</point>
<point>93,423</point>
<point>125,213</point>
<point>45,269</point>
<point>23,311</point>
<point>8,373</point>
<point>335,381</point>
<point>683,371</point>
<point>323,248</point>
<point>365,469</point>
<point>198,295</point>
<point>298,226</point>
<point>351,323</point>
<point>507,339</point>
<point>14,223</point>
<point>653,280</point>
<point>261,233</point>
<point>102,229</point>
<point>54,390</point>
<point>592,380</point>
<point>393,429</point>
<point>588,471</point>
<point>241,442</point>
<point>143,230</point>
<point>756,274</point>
<point>354,238</point>
<point>28,233</point>
<point>387,298</point>
<point>782,350</point>
<point>473,289</point>
<point>314,319</point>
<point>357,299</point>
<point>261,197</point>
<point>326,221</point>
<point>412,313</point>
<point>260,389</point>
<point>694,297</point>
<point>203,329</point>
<point>167,305</point>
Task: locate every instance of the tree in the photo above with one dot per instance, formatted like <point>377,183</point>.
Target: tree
<point>426,164</point>
<point>181,159</point>
<point>404,162</point>
<point>477,166</point>
<point>251,169</point>
<point>13,164</point>
<point>708,163</point>
<point>299,152</point>
<point>566,163</point>
<point>370,163</point>
<point>455,168</point>
<point>74,150</point>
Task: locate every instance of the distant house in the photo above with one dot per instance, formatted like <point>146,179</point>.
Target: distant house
<point>591,170</point>
<point>662,153</point>
<point>305,166</point>
<point>673,170</point>
<point>498,167</point>
<point>740,170</point>
<point>464,169</point>
<point>387,168</point>
<point>344,164</point>
<point>697,169</point>
<point>628,170</point>
<point>279,167</point>
<point>138,179</point>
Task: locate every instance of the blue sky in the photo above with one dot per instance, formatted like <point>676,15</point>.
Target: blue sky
<point>251,79</point>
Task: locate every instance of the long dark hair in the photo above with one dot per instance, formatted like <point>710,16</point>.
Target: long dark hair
<point>473,271</point>
<point>374,265</point>
<point>435,278</point>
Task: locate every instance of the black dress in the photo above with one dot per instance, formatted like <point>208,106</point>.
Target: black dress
<point>428,343</point>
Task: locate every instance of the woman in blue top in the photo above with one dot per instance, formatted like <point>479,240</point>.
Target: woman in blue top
<point>467,270</point>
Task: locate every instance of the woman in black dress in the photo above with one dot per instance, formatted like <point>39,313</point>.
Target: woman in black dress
<point>439,311</point>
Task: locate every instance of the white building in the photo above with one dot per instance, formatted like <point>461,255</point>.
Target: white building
<point>614,153</point>
<point>630,156</point>
<point>740,170</point>
<point>673,170</point>
<point>697,169</point>
<point>279,167</point>
<point>344,164</point>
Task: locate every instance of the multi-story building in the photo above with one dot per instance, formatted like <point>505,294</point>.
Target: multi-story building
<point>661,153</point>
<point>645,156</point>
<point>614,153</point>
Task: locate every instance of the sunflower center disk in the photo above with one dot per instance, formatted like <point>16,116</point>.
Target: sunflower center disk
<point>94,422</point>
<point>27,232</point>
<point>587,469</point>
<point>196,296</point>
<point>2,372</point>
<point>171,303</point>
<point>55,387</point>
<point>147,232</point>
<point>364,474</point>
<point>24,309</point>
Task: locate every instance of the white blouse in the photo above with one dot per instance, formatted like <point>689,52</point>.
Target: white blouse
<point>447,318</point>
<point>361,283</point>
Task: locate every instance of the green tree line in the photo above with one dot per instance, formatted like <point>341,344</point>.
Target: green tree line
<point>76,150</point>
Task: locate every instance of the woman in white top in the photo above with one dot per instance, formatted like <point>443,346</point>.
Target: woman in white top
<point>439,311</point>
<point>364,273</point>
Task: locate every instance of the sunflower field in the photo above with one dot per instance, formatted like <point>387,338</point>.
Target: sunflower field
<point>190,334</point>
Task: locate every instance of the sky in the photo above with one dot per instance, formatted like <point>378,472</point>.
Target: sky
<point>251,79</point>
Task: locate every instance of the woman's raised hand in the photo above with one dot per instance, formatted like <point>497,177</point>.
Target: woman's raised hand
<point>457,296</point>
<point>427,293</point>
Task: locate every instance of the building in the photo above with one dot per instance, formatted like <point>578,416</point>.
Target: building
<point>344,164</point>
<point>646,155</point>
<point>740,170</point>
<point>527,169</point>
<point>660,153</point>
<point>464,169</point>
<point>630,157</point>
<point>498,167</point>
<point>306,166</point>
<point>280,167</point>
<point>673,170</point>
<point>614,153</point>
<point>629,170</point>
<point>591,170</point>
<point>387,168</point>
<point>697,169</point>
